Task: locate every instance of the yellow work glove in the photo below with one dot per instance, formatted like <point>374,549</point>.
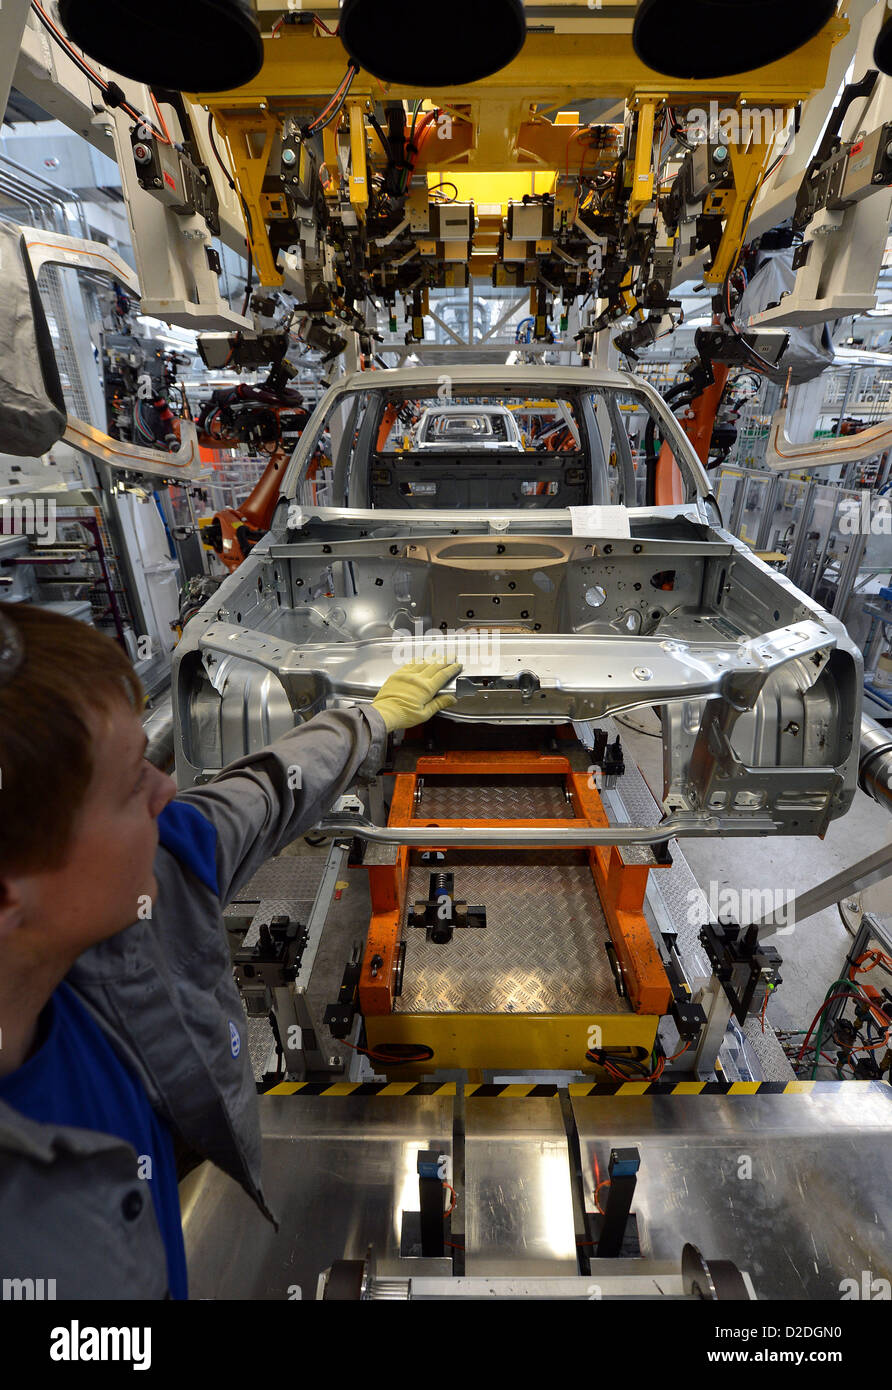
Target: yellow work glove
<point>409,696</point>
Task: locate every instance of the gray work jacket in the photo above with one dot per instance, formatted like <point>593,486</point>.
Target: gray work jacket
<point>71,1206</point>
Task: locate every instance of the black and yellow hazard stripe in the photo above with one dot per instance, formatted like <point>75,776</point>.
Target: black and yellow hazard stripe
<point>577,1090</point>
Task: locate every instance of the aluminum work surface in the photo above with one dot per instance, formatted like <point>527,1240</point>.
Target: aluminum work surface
<point>336,1173</point>
<point>795,1189</point>
<point>518,1208</point>
<point>542,950</point>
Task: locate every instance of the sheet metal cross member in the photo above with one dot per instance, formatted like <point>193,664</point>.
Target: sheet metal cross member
<point>620,872</point>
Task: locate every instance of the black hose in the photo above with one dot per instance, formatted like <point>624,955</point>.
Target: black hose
<point>651,457</point>
<point>385,143</point>
<point>677,390</point>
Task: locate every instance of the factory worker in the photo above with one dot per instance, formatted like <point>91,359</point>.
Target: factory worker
<point>123,1043</point>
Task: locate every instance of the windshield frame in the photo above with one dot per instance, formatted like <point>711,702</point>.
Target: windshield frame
<point>549,382</point>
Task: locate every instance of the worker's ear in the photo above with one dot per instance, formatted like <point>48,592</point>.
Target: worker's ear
<point>12,905</point>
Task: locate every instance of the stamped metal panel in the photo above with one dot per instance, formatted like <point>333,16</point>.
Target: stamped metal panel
<point>796,1189</point>
<point>337,1173</point>
<point>519,1204</point>
<point>743,640</point>
<point>542,950</point>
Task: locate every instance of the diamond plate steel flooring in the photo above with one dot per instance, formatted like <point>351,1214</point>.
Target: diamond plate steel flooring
<point>542,950</point>
<point>499,798</point>
<point>288,876</point>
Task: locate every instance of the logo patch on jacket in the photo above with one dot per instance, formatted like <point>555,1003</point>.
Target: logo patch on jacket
<point>235,1040</point>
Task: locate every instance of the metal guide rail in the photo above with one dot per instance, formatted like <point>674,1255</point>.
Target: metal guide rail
<point>286,905</point>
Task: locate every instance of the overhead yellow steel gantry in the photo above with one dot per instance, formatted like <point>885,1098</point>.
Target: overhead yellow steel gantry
<point>505,137</point>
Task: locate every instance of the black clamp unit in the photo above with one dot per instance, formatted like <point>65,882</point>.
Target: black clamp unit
<point>607,756</point>
<point>272,962</point>
<point>747,969</point>
<point>430,1190</point>
<point>338,1018</point>
<point>425,1233</point>
<point>616,1227</point>
<point>689,1018</point>
<point>440,914</point>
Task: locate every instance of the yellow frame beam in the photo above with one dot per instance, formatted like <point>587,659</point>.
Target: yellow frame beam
<point>359,178</point>
<point>538,1042</point>
<point>589,65</point>
<point>494,126</point>
<point>242,131</point>
<point>642,169</point>
<point>749,166</point>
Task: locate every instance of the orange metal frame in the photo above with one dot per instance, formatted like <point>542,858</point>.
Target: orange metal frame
<point>621,887</point>
<point>698,427</point>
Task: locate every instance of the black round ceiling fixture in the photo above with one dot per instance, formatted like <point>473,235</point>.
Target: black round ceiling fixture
<point>694,39</point>
<point>185,45</point>
<point>436,45</point>
<point>882,54</point>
